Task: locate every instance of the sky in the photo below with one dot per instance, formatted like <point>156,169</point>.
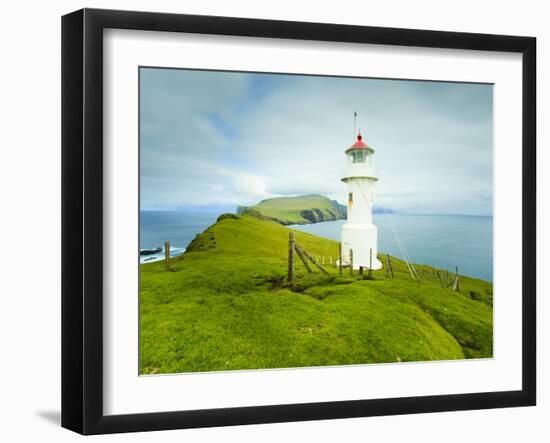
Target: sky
<point>216,140</point>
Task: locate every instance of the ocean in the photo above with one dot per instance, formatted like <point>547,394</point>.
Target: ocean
<point>180,227</point>
<point>443,241</point>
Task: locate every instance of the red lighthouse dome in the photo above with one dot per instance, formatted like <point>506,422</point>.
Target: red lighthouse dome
<point>359,143</point>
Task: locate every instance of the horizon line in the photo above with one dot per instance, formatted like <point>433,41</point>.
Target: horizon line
<point>394,212</point>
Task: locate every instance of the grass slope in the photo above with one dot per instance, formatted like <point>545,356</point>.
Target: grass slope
<point>223,308</point>
<point>300,210</point>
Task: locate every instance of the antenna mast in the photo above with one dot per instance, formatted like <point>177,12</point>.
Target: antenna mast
<point>354,124</point>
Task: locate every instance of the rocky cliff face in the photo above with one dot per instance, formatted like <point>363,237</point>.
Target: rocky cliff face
<point>341,209</point>
<point>317,215</point>
<point>305,209</point>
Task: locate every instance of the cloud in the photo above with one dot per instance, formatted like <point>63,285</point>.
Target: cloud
<point>217,138</point>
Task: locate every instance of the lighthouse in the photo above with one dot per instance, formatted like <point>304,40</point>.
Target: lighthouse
<point>359,234</point>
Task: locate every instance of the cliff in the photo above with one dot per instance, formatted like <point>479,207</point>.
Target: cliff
<point>299,210</point>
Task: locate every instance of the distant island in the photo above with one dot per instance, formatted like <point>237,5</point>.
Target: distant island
<point>301,210</point>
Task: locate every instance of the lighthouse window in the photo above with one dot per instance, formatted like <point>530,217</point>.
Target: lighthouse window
<point>350,197</point>
<point>358,157</point>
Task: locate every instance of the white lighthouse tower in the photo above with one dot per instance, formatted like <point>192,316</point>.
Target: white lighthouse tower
<point>359,234</point>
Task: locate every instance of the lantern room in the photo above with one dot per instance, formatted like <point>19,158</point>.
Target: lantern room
<point>360,161</point>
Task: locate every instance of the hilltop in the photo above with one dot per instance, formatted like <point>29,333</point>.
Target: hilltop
<point>303,209</point>
<point>226,306</point>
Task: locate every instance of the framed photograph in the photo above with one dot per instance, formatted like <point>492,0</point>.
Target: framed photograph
<point>268,221</point>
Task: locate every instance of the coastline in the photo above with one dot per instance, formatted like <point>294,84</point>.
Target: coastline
<point>441,241</point>
<point>152,258</point>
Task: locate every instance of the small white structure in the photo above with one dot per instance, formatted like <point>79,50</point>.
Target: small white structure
<point>359,233</point>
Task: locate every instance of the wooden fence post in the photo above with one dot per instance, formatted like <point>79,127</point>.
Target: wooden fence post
<point>300,253</point>
<point>456,285</point>
<point>167,255</point>
<point>291,249</point>
<point>311,258</point>
<point>351,261</point>
<point>389,269</point>
<point>369,275</point>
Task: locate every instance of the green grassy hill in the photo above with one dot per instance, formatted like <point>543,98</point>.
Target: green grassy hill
<point>304,209</point>
<point>225,306</point>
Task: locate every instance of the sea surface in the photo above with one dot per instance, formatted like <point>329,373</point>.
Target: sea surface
<point>179,227</point>
<point>442,241</point>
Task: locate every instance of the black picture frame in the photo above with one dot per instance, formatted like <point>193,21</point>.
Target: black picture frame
<point>82,215</point>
